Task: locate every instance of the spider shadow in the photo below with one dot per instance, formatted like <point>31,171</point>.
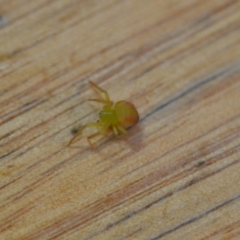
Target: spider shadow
<point>134,138</point>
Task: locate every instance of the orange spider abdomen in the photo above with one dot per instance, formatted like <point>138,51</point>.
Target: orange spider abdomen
<point>126,113</point>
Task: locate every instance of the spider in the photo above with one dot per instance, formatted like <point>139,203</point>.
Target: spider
<point>113,117</point>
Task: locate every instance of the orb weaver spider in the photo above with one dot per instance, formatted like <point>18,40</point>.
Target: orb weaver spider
<point>113,117</point>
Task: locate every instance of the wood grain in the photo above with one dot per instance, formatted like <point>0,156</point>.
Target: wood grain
<point>176,175</point>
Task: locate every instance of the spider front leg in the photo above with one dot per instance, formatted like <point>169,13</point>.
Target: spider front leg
<point>101,101</point>
<point>105,93</point>
<point>100,90</point>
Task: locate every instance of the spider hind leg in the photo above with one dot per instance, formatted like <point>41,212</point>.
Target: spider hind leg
<point>93,124</point>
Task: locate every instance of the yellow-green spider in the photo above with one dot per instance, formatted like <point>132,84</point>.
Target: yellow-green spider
<point>113,117</point>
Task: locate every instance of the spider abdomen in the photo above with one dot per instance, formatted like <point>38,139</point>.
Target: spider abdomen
<point>126,113</point>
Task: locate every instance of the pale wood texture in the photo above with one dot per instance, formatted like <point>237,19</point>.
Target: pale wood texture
<point>176,175</point>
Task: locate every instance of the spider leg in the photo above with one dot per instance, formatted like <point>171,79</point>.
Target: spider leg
<point>115,130</point>
<point>101,101</point>
<point>92,136</point>
<point>121,129</point>
<point>95,86</point>
<point>93,124</point>
<point>101,131</point>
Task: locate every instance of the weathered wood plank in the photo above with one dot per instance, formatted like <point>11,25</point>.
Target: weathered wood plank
<point>176,175</point>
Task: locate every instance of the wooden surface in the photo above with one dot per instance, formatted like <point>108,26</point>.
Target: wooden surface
<point>176,175</point>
